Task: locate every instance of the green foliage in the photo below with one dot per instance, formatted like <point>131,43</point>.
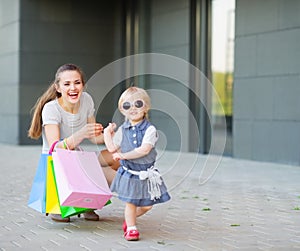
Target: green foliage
<point>223,84</point>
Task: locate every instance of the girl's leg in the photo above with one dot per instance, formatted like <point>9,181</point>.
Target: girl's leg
<point>130,214</point>
<point>130,231</point>
<point>142,210</point>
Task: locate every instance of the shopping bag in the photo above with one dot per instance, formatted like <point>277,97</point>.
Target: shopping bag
<point>80,180</point>
<point>37,197</point>
<point>52,200</point>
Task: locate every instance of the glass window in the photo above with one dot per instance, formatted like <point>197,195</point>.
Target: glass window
<point>223,24</point>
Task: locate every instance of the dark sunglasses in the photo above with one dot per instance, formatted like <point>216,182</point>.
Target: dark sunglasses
<point>137,104</point>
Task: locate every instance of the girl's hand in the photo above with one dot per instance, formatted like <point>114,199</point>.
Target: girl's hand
<point>110,129</point>
<point>117,156</point>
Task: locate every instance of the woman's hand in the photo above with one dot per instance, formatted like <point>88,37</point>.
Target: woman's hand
<point>91,130</point>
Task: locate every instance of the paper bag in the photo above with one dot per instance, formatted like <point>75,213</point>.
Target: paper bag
<point>37,197</point>
<point>80,179</point>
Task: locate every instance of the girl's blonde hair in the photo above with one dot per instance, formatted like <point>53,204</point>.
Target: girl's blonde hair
<point>35,130</point>
<point>138,93</point>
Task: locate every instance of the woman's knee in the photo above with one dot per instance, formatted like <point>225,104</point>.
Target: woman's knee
<point>106,159</point>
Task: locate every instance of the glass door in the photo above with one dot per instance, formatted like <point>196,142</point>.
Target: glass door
<point>222,64</point>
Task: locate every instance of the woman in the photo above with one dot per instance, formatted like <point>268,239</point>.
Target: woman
<point>65,113</point>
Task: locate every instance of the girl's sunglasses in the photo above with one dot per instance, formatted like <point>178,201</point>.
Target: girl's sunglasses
<point>138,104</point>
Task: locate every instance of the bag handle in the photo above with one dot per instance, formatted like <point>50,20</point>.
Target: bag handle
<point>52,147</point>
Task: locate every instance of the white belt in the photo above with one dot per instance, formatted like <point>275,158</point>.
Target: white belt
<point>153,180</point>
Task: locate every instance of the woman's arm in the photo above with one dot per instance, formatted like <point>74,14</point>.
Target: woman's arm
<point>98,138</point>
<point>53,134</point>
<point>91,131</point>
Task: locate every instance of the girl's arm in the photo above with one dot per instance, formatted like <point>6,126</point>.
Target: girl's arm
<point>148,143</point>
<point>138,152</point>
<point>108,138</point>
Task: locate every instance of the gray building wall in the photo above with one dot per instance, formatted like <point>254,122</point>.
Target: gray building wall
<point>266,123</point>
<point>38,38</point>
<point>9,70</point>
<point>169,34</point>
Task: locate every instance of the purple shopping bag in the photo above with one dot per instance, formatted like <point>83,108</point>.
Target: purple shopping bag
<point>80,180</point>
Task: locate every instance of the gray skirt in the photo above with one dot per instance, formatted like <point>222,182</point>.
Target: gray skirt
<point>131,189</point>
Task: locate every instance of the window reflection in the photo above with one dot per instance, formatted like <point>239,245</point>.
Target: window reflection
<point>223,23</point>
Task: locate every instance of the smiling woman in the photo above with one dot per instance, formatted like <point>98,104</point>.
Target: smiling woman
<point>70,87</point>
<point>65,114</point>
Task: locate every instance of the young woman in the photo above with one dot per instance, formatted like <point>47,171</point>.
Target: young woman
<point>65,113</point>
<point>138,183</point>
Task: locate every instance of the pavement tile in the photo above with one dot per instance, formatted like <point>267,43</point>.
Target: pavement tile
<point>247,205</point>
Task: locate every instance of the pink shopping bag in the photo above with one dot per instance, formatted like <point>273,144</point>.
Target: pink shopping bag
<point>80,180</point>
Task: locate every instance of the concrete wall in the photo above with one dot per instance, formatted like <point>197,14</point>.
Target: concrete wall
<point>9,70</point>
<point>169,34</point>
<point>266,123</point>
<point>52,33</point>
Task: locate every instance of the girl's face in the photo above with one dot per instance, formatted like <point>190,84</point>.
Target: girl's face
<point>134,109</point>
<point>70,86</point>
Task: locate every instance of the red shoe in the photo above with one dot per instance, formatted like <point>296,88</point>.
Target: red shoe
<point>132,235</point>
<point>124,226</point>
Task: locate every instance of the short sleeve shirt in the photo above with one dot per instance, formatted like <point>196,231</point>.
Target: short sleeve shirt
<point>54,114</point>
<point>150,136</point>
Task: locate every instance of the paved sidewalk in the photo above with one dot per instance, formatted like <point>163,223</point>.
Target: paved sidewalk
<point>245,206</point>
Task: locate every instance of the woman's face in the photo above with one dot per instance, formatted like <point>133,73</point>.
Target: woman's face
<point>70,86</point>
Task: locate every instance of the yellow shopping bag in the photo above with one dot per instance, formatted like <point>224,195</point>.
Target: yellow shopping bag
<point>52,202</point>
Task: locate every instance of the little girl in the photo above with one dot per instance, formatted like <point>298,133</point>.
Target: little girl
<point>137,181</point>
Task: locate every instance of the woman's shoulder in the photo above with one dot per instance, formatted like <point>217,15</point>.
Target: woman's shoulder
<point>51,105</point>
<point>87,98</point>
<point>86,95</point>
<point>51,109</point>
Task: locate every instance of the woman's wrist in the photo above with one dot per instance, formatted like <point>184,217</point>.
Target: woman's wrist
<point>75,139</point>
<point>65,144</point>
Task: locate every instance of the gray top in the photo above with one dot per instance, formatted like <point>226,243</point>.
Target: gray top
<point>54,114</point>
